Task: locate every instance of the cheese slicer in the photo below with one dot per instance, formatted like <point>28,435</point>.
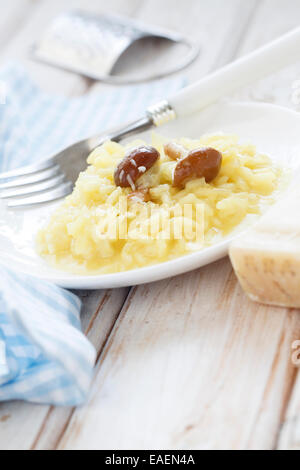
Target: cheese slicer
<point>95,44</point>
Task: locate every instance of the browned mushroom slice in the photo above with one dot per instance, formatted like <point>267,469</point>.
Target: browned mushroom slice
<point>199,163</point>
<point>134,165</point>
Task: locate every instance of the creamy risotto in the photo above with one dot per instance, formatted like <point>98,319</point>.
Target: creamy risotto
<point>117,220</point>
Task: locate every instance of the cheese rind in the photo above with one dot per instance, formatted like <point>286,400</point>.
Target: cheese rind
<point>266,259</point>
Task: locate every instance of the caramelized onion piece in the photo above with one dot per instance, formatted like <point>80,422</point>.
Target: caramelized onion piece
<point>134,165</point>
<point>199,163</point>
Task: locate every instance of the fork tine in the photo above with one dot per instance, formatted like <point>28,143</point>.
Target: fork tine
<point>56,193</point>
<point>27,170</point>
<point>33,178</point>
<point>32,188</point>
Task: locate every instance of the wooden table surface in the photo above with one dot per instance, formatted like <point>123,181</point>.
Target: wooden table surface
<point>186,363</point>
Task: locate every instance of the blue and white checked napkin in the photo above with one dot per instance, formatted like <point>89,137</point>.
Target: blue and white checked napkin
<point>44,356</point>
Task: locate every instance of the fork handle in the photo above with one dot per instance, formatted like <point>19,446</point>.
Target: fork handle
<point>254,66</point>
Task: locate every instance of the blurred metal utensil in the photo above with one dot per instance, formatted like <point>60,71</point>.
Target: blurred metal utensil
<point>93,44</point>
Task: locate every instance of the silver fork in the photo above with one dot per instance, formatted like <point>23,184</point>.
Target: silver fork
<point>54,177</point>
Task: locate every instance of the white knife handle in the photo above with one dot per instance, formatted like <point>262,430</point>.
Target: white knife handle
<point>264,61</point>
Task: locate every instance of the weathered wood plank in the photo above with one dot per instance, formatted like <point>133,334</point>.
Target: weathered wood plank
<point>206,369</point>
<point>101,310</point>
<point>289,434</point>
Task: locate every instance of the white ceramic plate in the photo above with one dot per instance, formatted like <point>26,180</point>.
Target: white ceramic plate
<point>274,130</point>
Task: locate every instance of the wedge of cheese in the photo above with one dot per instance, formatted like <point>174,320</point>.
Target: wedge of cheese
<point>266,258</point>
